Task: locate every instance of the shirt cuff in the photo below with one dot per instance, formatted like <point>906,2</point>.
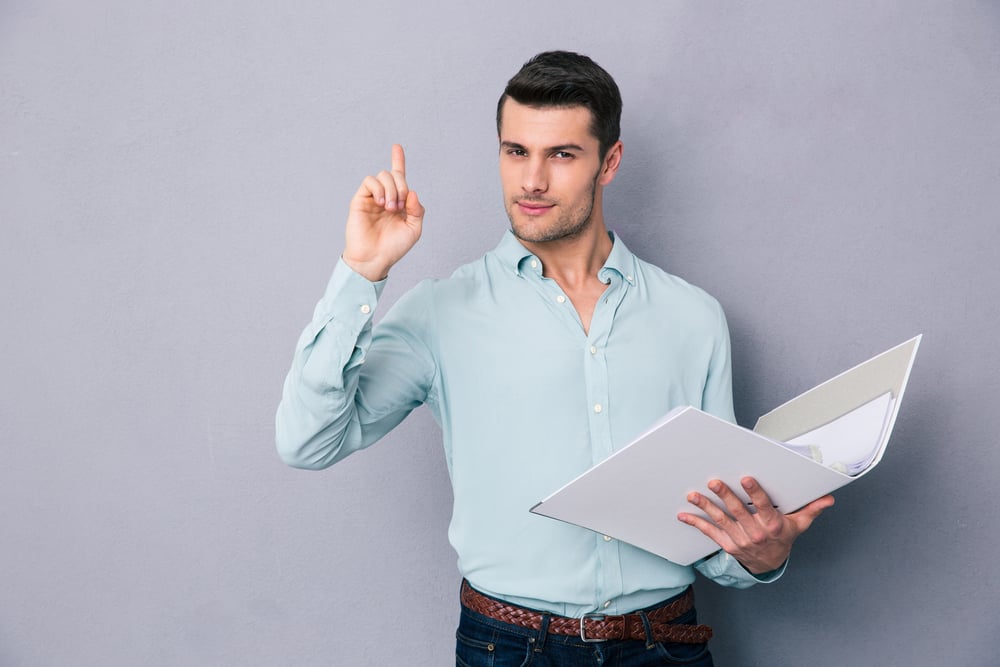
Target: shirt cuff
<point>349,296</point>
<point>344,277</point>
<point>726,570</point>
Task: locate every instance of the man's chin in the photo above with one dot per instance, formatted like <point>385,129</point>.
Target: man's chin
<point>533,230</point>
<point>542,235</point>
<point>525,233</point>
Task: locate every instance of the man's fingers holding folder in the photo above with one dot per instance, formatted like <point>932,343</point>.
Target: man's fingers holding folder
<point>760,540</point>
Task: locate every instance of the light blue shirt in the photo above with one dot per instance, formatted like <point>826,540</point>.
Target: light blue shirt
<point>526,401</point>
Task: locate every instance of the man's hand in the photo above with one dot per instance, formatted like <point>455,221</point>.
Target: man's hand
<point>384,222</point>
<point>760,541</point>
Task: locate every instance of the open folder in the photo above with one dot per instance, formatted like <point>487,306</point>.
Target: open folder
<point>813,444</point>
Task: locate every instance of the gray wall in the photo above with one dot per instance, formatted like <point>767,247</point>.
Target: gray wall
<point>173,183</point>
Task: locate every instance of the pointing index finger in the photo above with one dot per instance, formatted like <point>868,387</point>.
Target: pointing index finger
<point>398,160</point>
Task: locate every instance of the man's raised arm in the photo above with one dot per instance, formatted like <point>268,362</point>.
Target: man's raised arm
<point>325,412</point>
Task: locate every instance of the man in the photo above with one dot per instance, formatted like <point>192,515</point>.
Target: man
<point>538,360</point>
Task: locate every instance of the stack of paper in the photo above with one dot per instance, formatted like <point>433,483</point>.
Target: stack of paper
<point>849,443</point>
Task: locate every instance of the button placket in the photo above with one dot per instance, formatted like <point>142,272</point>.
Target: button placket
<point>610,584</point>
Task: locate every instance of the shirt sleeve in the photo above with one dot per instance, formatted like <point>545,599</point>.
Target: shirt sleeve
<point>350,384</point>
<point>717,396</point>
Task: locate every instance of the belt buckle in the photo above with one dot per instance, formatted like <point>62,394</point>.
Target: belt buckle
<point>595,617</point>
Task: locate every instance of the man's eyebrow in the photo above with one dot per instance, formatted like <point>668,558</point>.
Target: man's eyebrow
<point>550,149</point>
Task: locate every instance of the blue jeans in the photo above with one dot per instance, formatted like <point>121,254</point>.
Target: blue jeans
<point>484,642</point>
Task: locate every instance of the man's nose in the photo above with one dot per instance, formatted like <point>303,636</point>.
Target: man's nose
<point>535,177</point>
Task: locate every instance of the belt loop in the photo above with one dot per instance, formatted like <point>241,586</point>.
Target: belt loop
<point>543,633</point>
<point>650,642</point>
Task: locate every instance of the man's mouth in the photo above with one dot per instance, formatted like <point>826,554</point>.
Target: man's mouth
<point>531,207</point>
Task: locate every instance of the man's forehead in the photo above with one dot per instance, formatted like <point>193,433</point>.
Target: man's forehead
<point>548,125</point>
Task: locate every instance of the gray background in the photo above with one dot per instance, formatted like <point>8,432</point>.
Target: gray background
<point>173,182</point>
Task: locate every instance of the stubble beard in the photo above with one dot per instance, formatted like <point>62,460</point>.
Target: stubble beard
<point>569,224</point>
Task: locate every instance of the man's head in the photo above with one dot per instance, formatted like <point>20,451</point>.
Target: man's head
<point>562,79</point>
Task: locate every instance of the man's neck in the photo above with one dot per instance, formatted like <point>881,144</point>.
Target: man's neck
<point>574,262</point>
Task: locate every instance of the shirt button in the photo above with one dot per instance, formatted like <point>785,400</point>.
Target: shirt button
<point>607,538</point>
<point>534,264</point>
<point>597,407</point>
<point>593,349</point>
<point>607,604</point>
<point>561,299</point>
<point>366,309</point>
<point>629,278</point>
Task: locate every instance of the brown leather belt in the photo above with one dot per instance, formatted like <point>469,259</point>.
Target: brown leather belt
<point>596,627</point>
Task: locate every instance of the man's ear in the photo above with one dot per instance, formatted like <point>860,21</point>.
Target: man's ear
<point>612,160</point>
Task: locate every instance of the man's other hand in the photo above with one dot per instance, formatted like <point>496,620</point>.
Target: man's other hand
<point>762,540</point>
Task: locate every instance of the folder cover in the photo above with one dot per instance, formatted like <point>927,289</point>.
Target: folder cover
<point>815,443</point>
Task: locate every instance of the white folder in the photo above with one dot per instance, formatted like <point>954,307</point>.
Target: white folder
<point>837,428</point>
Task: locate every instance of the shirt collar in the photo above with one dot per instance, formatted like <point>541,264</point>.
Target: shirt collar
<point>621,261</point>
<point>518,258</point>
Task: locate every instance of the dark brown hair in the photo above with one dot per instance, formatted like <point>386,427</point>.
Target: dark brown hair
<point>566,79</point>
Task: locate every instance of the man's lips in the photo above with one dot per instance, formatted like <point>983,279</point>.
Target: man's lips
<point>534,207</point>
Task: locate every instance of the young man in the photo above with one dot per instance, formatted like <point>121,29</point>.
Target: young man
<point>538,360</point>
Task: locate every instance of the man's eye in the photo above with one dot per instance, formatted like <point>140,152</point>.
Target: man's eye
<point>563,155</point>
<point>517,152</point>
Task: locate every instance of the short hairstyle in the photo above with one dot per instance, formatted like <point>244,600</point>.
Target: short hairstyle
<point>566,79</point>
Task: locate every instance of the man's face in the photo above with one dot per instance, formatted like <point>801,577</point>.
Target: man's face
<point>550,168</point>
